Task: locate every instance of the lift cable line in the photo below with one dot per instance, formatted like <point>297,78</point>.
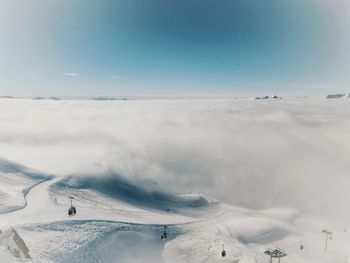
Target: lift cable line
<point>275,253</point>
<point>328,235</point>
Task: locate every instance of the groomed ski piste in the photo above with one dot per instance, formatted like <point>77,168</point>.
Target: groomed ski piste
<point>121,221</point>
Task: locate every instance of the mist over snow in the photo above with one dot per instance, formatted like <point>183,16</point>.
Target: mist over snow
<point>256,154</point>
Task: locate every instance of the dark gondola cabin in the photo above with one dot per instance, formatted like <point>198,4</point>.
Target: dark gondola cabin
<point>223,253</point>
<point>165,234</point>
<point>72,210</point>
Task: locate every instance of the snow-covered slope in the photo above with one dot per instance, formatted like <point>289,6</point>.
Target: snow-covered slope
<point>114,188</point>
<point>119,220</point>
<point>15,181</point>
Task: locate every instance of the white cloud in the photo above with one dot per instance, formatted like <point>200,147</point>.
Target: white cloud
<point>257,154</point>
<point>115,77</point>
<point>71,74</point>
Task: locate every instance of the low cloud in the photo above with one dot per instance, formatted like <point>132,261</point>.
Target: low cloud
<point>256,154</point>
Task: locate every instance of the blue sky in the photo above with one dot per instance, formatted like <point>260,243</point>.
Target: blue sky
<point>182,47</point>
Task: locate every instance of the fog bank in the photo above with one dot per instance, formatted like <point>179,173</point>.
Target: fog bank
<point>257,154</point>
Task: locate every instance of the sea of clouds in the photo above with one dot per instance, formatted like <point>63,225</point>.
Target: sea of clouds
<point>256,154</point>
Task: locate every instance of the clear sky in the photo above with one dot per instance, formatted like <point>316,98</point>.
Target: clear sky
<point>174,47</point>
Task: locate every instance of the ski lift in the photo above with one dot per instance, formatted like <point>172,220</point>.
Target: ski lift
<point>223,253</point>
<point>165,234</point>
<point>72,210</point>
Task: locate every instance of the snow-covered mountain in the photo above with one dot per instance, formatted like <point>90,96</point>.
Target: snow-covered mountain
<point>119,220</point>
<point>338,96</point>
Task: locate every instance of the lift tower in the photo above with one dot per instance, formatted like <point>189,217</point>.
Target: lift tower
<point>328,235</point>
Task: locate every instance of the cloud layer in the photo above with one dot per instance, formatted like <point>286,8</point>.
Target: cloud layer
<point>256,154</point>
